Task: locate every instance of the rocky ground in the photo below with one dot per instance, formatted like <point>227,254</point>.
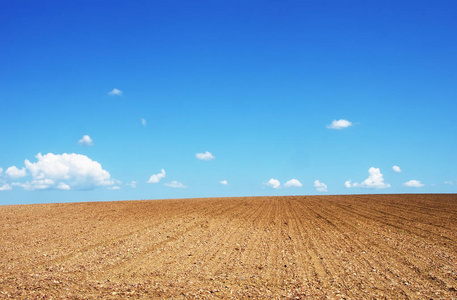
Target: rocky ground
<point>298,247</point>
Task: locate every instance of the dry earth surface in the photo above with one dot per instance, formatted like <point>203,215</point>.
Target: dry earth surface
<point>313,247</point>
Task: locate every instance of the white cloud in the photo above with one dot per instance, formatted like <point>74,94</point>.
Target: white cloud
<point>65,171</point>
<point>175,184</point>
<point>339,124</point>
<point>132,184</point>
<point>413,183</point>
<point>115,92</point>
<point>396,169</point>
<point>273,183</point>
<point>156,177</point>
<point>114,188</point>
<point>374,181</point>
<point>205,156</point>
<point>63,186</point>
<point>293,183</point>
<point>86,141</point>
<point>320,186</point>
<point>15,173</point>
<point>223,182</point>
<point>5,187</point>
<point>143,122</point>
<point>1,170</point>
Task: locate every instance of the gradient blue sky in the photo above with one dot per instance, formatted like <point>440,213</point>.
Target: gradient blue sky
<point>255,83</point>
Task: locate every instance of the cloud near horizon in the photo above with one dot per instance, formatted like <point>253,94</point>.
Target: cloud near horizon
<point>15,173</point>
<point>205,156</point>
<point>375,180</point>
<point>320,186</point>
<point>339,124</point>
<point>5,187</point>
<point>156,177</point>
<point>273,183</point>
<point>65,172</point>
<point>175,184</point>
<point>413,183</point>
<point>293,183</point>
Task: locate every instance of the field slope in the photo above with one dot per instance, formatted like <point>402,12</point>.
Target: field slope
<point>348,247</point>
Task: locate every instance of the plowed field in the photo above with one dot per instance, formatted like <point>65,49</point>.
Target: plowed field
<point>313,247</point>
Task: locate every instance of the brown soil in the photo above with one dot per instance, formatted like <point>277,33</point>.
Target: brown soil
<point>348,247</point>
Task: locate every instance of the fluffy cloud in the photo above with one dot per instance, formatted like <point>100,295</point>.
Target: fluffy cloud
<point>223,182</point>
<point>63,186</point>
<point>293,183</point>
<point>413,183</point>
<point>205,156</point>
<point>86,141</point>
<point>156,177</point>
<point>115,92</point>
<point>143,122</point>
<point>339,124</point>
<point>175,184</point>
<point>374,181</point>
<point>132,184</point>
<point>273,183</point>
<point>320,186</point>
<point>5,187</point>
<point>65,171</point>
<point>396,169</point>
<point>15,173</point>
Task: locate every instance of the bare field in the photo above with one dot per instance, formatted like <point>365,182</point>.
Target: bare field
<point>313,247</point>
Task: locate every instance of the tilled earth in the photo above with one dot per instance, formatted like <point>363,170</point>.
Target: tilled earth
<point>298,247</point>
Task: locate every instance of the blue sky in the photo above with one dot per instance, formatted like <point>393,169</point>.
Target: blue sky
<point>257,84</point>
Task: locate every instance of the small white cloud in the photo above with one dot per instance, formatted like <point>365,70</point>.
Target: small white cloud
<point>15,173</point>
<point>143,122</point>
<point>293,183</point>
<point>37,184</point>
<point>396,169</point>
<point>175,184</point>
<point>375,180</point>
<point>63,186</point>
<point>132,184</point>
<point>156,177</point>
<point>86,141</point>
<point>114,188</point>
<point>115,92</point>
<point>5,187</point>
<point>1,170</point>
<point>273,183</point>
<point>339,124</point>
<point>413,183</point>
<point>320,186</point>
<point>223,182</point>
<point>446,182</point>
<point>205,156</point>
